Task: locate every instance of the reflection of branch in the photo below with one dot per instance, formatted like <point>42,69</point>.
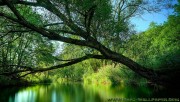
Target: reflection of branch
<point>31,70</point>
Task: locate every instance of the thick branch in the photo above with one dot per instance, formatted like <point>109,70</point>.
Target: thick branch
<point>50,7</point>
<point>49,34</point>
<point>31,70</point>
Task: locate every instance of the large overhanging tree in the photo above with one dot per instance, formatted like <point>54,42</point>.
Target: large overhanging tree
<point>86,23</point>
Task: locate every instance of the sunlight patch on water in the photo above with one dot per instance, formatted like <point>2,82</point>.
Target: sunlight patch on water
<point>25,96</point>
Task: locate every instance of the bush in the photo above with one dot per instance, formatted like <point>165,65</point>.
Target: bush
<point>46,80</point>
<point>105,75</point>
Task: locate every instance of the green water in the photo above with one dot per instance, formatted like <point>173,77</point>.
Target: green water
<point>74,92</point>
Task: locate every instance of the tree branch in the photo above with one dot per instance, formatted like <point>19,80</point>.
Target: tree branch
<point>50,8</point>
<point>2,3</point>
<point>88,18</point>
<point>55,11</point>
<point>31,70</point>
<point>52,24</point>
<point>89,41</point>
<point>49,34</point>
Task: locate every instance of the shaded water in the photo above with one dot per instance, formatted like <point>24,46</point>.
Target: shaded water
<point>75,92</point>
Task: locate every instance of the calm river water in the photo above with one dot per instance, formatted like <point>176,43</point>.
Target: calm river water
<point>76,92</point>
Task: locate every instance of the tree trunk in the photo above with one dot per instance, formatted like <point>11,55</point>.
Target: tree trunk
<point>165,78</point>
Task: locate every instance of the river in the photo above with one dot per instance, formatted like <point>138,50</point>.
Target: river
<point>77,92</point>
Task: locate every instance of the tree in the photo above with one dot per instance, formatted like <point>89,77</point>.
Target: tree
<point>98,25</point>
<point>22,47</point>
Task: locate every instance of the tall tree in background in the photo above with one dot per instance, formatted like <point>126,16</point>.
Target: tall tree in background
<point>101,25</point>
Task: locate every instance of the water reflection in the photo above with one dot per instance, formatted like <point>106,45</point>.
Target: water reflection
<point>71,93</point>
<point>25,96</point>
